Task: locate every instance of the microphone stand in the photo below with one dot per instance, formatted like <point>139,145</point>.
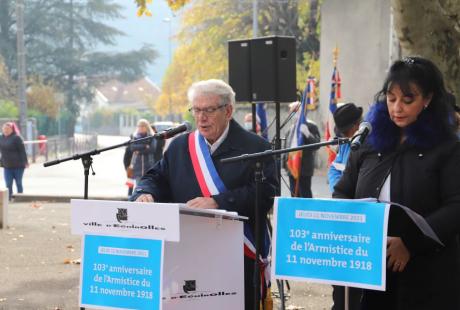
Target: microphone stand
<point>87,159</point>
<point>276,141</point>
<point>259,178</point>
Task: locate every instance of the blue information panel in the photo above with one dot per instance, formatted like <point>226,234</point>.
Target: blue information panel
<point>331,241</point>
<point>121,272</point>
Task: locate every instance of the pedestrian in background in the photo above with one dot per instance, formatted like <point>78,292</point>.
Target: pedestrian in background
<point>158,145</point>
<point>412,157</point>
<point>143,152</point>
<point>127,156</point>
<point>14,157</point>
<point>347,117</point>
<point>248,123</point>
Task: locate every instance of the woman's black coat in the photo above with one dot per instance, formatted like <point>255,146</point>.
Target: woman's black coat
<point>13,152</point>
<point>145,154</point>
<point>427,181</point>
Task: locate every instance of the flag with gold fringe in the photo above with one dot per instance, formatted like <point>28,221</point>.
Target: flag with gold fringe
<point>310,92</point>
<point>294,161</point>
<point>262,119</point>
<point>335,95</point>
<point>335,89</point>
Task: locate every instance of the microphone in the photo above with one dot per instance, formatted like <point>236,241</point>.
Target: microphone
<point>365,128</point>
<point>173,131</point>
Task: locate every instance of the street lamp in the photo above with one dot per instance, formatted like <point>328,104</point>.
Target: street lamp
<point>169,21</point>
<point>21,63</point>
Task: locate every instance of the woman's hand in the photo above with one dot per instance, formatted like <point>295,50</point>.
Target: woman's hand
<point>397,254</point>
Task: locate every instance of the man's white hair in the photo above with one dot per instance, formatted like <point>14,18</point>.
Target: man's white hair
<point>212,87</point>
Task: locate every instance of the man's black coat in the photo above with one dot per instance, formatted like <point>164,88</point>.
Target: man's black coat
<point>173,179</point>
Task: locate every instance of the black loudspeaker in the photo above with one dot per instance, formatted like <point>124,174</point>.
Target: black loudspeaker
<point>263,69</point>
<point>273,69</point>
<point>239,68</point>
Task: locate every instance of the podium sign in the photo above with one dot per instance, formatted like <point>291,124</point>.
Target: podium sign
<point>124,249</point>
<point>341,242</point>
<point>123,273</point>
<point>126,219</point>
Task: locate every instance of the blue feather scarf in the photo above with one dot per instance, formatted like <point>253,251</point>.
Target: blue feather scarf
<point>424,133</point>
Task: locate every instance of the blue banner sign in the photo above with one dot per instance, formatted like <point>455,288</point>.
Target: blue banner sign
<point>340,242</point>
<point>121,272</point>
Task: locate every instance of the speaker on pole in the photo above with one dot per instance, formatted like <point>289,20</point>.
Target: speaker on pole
<point>263,69</point>
<point>239,68</point>
<point>273,69</point>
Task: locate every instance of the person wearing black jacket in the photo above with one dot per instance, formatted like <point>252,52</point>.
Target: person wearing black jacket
<point>127,156</point>
<point>412,157</point>
<point>143,151</point>
<point>14,157</point>
<point>173,178</point>
<point>159,145</point>
<point>157,149</point>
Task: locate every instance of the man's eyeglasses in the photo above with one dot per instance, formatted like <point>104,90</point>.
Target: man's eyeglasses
<point>206,111</point>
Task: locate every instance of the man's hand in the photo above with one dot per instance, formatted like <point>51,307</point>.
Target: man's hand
<point>145,198</point>
<point>397,254</point>
<point>202,203</point>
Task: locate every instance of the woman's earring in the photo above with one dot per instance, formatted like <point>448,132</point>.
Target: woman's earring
<point>425,106</point>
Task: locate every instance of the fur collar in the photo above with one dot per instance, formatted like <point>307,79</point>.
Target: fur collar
<point>424,133</point>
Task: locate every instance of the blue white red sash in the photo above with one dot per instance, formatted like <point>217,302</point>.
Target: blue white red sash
<point>211,184</point>
<point>206,174</point>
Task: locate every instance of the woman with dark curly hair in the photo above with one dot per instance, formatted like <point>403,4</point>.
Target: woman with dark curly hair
<point>412,157</point>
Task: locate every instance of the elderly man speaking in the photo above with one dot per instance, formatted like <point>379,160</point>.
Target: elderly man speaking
<point>177,177</point>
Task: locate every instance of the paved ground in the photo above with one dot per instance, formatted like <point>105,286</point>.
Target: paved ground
<point>67,178</point>
<point>37,250</point>
<point>35,255</point>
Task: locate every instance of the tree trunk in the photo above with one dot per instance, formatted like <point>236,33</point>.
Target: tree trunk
<point>431,29</point>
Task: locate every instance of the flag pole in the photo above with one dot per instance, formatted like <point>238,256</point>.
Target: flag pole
<point>335,54</point>
<point>332,103</point>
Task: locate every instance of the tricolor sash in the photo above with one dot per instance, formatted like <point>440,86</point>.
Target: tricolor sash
<point>211,184</point>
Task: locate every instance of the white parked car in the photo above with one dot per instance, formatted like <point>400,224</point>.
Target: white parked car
<point>160,126</point>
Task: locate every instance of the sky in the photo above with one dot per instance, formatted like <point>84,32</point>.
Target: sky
<point>152,30</point>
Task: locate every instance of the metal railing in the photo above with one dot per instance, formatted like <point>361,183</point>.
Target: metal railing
<point>56,147</point>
